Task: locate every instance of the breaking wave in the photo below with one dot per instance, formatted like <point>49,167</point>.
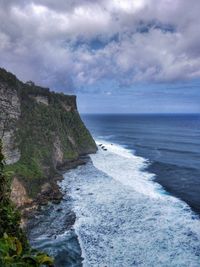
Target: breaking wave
<point>126,219</point>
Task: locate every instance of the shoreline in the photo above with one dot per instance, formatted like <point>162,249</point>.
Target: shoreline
<point>48,204</point>
<point>109,209</point>
<point>151,169</point>
<point>51,192</point>
<point>80,236</point>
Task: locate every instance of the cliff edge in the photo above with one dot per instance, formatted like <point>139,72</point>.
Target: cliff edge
<point>41,132</point>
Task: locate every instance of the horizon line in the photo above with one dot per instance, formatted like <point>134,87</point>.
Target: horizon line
<point>153,113</point>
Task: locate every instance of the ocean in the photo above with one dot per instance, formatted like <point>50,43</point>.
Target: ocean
<point>171,144</point>
<point>136,202</point>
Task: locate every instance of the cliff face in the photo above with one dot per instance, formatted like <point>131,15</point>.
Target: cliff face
<point>41,131</point>
<point>10,113</point>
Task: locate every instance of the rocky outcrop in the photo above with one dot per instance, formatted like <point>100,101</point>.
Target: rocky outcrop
<point>42,99</point>
<point>9,115</point>
<point>18,193</point>
<point>41,130</point>
<point>57,153</point>
<point>11,152</point>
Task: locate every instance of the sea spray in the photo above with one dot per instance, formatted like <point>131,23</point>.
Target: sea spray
<point>124,220</point>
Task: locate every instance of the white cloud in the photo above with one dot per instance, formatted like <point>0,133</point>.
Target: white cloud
<point>53,42</point>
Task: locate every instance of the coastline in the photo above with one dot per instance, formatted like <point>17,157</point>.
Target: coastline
<point>51,191</point>
<point>109,208</point>
<point>169,142</point>
<point>51,202</point>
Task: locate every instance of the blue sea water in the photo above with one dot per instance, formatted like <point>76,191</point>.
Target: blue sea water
<point>136,201</point>
<point>170,142</point>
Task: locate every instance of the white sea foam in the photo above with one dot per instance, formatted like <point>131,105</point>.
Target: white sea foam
<point>122,218</point>
<point>126,168</point>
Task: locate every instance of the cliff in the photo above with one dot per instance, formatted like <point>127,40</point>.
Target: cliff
<point>41,132</point>
<point>15,249</point>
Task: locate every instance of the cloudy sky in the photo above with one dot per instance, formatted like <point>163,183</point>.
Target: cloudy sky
<point>116,55</point>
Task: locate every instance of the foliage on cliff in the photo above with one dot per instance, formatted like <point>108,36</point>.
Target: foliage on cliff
<point>9,216</point>
<point>14,248</point>
<point>48,133</point>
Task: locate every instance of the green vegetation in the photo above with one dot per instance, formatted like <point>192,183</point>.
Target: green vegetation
<point>9,216</point>
<point>13,255</point>
<point>14,247</point>
<point>48,132</point>
<point>38,129</point>
<point>8,78</point>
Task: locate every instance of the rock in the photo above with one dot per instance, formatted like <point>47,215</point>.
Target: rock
<point>42,100</point>
<point>57,152</point>
<point>56,201</point>
<point>30,83</point>
<point>9,116</point>
<point>18,193</point>
<point>59,210</point>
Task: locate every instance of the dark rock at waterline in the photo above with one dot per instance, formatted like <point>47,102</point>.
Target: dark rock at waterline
<point>56,201</point>
<point>59,210</point>
<point>70,220</point>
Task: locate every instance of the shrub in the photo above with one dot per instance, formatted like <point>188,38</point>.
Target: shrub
<point>15,250</point>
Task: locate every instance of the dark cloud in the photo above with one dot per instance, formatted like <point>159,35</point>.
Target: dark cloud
<point>63,44</point>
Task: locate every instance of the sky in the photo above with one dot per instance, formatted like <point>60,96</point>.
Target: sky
<point>117,56</point>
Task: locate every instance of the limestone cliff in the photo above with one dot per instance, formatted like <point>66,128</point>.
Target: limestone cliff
<point>41,131</point>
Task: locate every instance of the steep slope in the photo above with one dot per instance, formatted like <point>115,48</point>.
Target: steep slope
<point>41,131</point>
<point>15,249</point>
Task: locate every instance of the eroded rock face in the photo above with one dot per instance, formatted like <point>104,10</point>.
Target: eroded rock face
<point>67,107</point>
<point>42,99</point>
<point>11,152</point>
<point>18,193</point>
<point>58,153</point>
<point>71,139</point>
<point>9,115</point>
